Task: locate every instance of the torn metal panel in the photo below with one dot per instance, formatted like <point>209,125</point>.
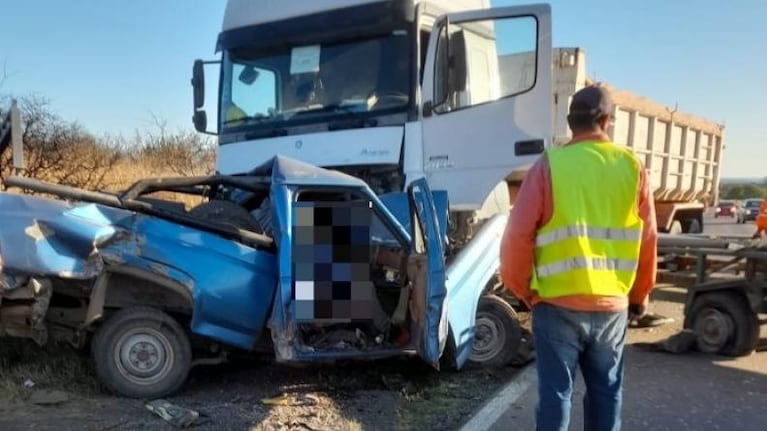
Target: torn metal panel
<point>46,237</point>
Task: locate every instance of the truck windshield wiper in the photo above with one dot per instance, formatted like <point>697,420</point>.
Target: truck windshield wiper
<point>271,132</point>
<point>248,119</point>
<point>336,107</point>
<point>352,123</point>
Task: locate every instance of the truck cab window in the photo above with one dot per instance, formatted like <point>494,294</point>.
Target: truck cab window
<point>293,85</point>
<point>252,93</point>
<point>483,61</point>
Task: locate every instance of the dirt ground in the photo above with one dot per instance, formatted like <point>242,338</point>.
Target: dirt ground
<point>398,394</point>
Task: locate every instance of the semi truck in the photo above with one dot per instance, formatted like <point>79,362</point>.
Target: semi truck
<point>399,89</point>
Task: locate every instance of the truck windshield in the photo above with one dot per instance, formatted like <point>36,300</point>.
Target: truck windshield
<point>292,85</point>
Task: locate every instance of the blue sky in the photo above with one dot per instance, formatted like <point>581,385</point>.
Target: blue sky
<point>112,65</point>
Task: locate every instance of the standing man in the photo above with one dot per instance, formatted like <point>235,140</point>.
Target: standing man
<point>580,249</point>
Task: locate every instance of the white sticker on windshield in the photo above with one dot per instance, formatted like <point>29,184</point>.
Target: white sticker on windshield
<point>305,59</point>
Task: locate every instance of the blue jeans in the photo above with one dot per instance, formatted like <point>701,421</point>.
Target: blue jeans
<point>565,340</point>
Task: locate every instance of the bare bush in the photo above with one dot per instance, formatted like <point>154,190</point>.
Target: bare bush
<point>181,153</point>
<point>58,151</point>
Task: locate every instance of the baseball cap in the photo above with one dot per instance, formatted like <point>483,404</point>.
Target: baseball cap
<point>593,101</point>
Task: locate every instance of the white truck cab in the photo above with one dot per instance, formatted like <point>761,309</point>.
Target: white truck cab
<point>388,91</point>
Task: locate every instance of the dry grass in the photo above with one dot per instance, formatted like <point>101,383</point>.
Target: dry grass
<point>126,173</point>
<point>50,367</point>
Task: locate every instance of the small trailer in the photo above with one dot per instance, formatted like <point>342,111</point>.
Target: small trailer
<point>726,280</point>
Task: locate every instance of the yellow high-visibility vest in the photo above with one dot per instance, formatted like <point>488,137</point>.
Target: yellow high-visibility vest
<point>591,244</point>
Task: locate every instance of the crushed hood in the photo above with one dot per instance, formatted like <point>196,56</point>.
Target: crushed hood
<point>53,237</point>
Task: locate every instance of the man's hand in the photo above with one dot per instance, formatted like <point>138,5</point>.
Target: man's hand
<point>636,311</point>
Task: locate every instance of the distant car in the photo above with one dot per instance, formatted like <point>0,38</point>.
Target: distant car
<point>726,209</point>
<point>749,210</point>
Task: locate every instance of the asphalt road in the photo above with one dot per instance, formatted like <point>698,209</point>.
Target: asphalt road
<point>663,391</point>
<point>726,226</point>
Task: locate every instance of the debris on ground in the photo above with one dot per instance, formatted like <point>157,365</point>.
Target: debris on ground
<point>173,414</point>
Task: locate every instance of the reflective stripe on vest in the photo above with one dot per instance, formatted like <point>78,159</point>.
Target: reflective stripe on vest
<point>586,231</point>
<point>590,246</point>
<point>581,262</point>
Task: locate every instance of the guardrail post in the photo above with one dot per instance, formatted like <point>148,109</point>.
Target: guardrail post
<point>17,145</point>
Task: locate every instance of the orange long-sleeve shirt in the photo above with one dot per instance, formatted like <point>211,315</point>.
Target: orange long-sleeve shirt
<point>533,208</point>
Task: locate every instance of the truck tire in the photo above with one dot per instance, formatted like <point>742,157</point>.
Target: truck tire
<point>226,212</point>
<point>141,352</point>
<point>723,323</point>
<point>497,335</point>
<point>694,226</point>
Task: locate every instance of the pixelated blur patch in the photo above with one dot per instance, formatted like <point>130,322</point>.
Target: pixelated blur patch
<point>331,261</point>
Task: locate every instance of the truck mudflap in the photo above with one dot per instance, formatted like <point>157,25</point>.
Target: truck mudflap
<point>23,307</point>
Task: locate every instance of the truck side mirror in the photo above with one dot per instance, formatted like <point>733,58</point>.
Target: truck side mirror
<point>198,84</point>
<point>200,120</point>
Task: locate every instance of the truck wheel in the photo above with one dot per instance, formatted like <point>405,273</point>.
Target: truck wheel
<point>723,323</point>
<point>497,333</point>
<point>693,226</point>
<point>141,352</point>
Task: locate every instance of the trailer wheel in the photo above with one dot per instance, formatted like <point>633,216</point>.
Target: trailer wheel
<point>497,333</point>
<point>723,323</point>
<point>141,352</point>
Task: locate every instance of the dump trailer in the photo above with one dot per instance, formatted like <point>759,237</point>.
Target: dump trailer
<point>681,152</point>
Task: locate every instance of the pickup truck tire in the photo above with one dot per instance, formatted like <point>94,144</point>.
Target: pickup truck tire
<point>141,352</point>
<point>497,334</point>
<point>723,323</point>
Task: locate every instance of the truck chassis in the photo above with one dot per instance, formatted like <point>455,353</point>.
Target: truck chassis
<point>726,280</point>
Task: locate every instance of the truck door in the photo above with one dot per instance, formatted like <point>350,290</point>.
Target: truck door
<point>487,99</point>
<point>426,270</point>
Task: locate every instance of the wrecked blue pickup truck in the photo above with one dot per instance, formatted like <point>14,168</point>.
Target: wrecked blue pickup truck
<point>301,262</point>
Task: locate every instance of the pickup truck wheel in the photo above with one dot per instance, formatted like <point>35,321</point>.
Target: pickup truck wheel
<point>142,353</point>
<point>723,323</point>
<point>497,333</point>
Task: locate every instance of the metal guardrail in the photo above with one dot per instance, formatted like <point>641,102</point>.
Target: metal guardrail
<point>10,135</point>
